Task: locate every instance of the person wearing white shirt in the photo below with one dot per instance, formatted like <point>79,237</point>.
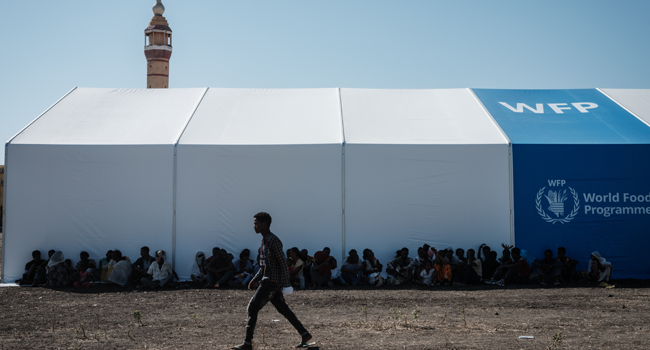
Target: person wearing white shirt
<point>161,272</point>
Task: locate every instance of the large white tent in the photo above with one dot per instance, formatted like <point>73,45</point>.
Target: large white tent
<point>185,170</point>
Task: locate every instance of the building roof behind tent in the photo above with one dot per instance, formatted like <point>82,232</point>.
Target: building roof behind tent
<point>563,116</point>
<point>266,117</point>
<point>444,116</point>
<point>88,116</point>
<point>635,100</point>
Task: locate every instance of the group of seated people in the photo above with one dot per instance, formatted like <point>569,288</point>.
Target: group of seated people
<point>429,268</point>
<point>57,272</point>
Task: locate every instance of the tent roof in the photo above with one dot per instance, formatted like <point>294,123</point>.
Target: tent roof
<point>114,117</point>
<point>266,117</point>
<point>636,101</point>
<point>580,116</point>
<point>449,116</point>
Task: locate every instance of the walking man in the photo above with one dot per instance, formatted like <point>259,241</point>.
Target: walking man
<point>273,276</point>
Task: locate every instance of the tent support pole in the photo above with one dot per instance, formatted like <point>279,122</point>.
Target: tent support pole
<point>342,178</point>
<point>4,219</point>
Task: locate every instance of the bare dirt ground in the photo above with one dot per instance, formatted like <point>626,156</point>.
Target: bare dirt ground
<point>481,317</point>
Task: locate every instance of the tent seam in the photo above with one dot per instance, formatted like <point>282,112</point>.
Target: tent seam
<point>342,175</point>
<point>625,108</point>
<point>42,114</point>
<point>175,173</point>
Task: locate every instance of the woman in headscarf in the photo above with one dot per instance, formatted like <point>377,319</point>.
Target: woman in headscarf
<point>198,270</point>
<point>121,269</point>
<point>56,271</point>
<point>599,269</point>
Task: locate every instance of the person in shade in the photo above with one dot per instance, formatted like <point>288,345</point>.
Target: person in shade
<point>198,273</point>
<point>57,273</point>
<point>548,269</point>
<point>270,283</point>
<point>515,270</point>
<point>141,266</point>
<point>599,269</point>
<point>29,275</point>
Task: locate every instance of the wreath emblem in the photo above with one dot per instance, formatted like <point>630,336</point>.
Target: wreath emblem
<point>547,218</point>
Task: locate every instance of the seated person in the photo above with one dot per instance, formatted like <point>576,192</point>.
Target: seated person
<point>29,275</point>
<point>485,249</point>
<point>336,278</point>
<point>327,251</point>
<point>197,272</point>
<point>598,269</point>
<point>490,265</point>
<point>103,266</point>
<point>372,269</point>
<point>420,261</point>
<point>119,269</point>
<point>427,250</point>
<point>473,270</point>
<point>352,269</point>
<point>548,269</point>
<point>568,269</point>
<point>83,280</point>
<point>243,270</point>
<point>56,271</point>
<point>505,257</point>
<point>141,266</point>
<point>220,270</point>
<point>514,271</point>
<point>442,267</point>
<point>428,275</point>
<point>295,271</point>
<point>401,268</point>
<point>72,273</point>
<point>320,270</point>
<point>41,271</point>
<point>160,272</point>
<point>307,261</point>
<point>215,255</point>
<point>457,263</point>
<point>85,263</point>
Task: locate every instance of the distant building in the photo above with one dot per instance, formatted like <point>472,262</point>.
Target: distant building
<point>158,49</point>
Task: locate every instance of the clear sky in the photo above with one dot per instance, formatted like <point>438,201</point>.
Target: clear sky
<point>49,47</point>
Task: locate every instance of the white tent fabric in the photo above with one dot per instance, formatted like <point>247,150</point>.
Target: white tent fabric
<point>186,169</point>
<point>636,101</point>
<point>252,150</point>
<point>423,166</point>
<point>94,172</point>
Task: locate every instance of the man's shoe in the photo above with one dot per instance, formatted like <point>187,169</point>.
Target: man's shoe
<point>500,283</point>
<point>542,282</point>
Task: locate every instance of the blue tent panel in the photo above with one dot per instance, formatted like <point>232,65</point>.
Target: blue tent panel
<point>580,116</point>
<point>606,206</point>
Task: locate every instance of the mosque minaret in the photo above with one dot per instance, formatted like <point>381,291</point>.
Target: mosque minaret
<point>158,49</point>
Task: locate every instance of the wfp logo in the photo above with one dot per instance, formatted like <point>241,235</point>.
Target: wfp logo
<point>556,201</point>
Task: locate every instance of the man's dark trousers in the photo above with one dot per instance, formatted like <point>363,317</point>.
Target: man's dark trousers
<point>266,292</point>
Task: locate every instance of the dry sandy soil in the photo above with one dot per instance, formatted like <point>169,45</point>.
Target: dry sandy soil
<point>481,317</point>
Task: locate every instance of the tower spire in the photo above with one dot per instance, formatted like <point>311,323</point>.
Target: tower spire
<point>158,48</point>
